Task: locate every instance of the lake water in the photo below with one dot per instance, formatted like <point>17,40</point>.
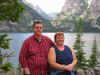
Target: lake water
<point>18,38</point>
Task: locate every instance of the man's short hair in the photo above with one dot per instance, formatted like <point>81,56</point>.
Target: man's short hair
<point>37,22</point>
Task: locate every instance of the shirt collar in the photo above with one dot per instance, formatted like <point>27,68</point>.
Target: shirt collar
<point>38,40</point>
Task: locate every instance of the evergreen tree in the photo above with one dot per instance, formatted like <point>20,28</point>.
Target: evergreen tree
<point>78,46</point>
<point>93,58</point>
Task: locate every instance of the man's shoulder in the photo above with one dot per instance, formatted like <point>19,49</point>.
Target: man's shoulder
<point>29,38</point>
<point>46,37</point>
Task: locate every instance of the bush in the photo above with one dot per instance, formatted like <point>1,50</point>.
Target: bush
<point>5,45</point>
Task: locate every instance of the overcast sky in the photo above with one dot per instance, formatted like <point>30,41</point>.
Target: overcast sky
<point>48,6</point>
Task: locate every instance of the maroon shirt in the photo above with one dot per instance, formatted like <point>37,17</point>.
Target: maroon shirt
<point>34,55</point>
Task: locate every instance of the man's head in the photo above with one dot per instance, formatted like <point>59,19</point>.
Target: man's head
<point>37,27</point>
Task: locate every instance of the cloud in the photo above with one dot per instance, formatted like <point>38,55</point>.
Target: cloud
<point>49,6</point>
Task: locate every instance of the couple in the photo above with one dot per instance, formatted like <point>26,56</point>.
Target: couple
<point>39,50</point>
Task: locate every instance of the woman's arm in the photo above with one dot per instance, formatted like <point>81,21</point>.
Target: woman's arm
<point>52,60</point>
<point>70,66</point>
<point>74,58</point>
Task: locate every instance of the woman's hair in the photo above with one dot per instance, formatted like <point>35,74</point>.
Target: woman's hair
<point>58,33</point>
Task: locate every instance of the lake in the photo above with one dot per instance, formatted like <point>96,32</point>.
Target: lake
<point>18,38</point>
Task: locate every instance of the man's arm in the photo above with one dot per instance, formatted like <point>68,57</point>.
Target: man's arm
<point>50,42</point>
<point>22,58</point>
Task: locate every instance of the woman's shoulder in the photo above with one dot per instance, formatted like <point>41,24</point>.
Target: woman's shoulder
<point>70,49</point>
<point>53,47</point>
<point>66,46</point>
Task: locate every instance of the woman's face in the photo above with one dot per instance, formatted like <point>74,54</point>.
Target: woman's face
<point>60,39</point>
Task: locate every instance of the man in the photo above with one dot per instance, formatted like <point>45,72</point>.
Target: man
<point>34,52</point>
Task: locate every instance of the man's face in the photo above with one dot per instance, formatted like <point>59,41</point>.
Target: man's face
<point>38,29</point>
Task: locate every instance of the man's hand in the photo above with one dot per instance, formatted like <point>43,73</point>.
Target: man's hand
<point>26,71</point>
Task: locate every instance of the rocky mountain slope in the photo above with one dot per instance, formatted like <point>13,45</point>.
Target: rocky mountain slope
<point>64,21</point>
<point>24,24</point>
<point>74,9</point>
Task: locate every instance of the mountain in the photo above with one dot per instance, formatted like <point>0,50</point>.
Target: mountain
<point>95,8</point>
<point>94,13</point>
<point>72,10</point>
<point>73,7</point>
<point>64,21</point>
<point>24,24</point>
<point>42,13</point>
<point>53,15</point>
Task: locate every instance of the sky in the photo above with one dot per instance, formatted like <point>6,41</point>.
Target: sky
<point>48,6</point>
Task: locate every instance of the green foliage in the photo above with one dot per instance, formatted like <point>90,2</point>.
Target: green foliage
<point>4,41</point>
<point>86,25</point>
<point>1,59</point>
<point>93,58</point>
<point>10,10</point>
<point>6,67</point>
<point>19,68</point>
<point>98,20</point>
<point>5,45</point>
<point>78,46</point>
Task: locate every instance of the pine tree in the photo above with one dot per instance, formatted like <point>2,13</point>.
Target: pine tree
<point>78,47</point>
<point>93,57</point>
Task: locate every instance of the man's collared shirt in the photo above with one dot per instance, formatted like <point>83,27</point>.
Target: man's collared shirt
<point>34,54</point>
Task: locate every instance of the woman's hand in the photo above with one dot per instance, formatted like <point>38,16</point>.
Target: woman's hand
<point>26,71</point>
<point>69,67</point>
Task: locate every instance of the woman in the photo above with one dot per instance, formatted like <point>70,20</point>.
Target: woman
<point>60,57</point>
